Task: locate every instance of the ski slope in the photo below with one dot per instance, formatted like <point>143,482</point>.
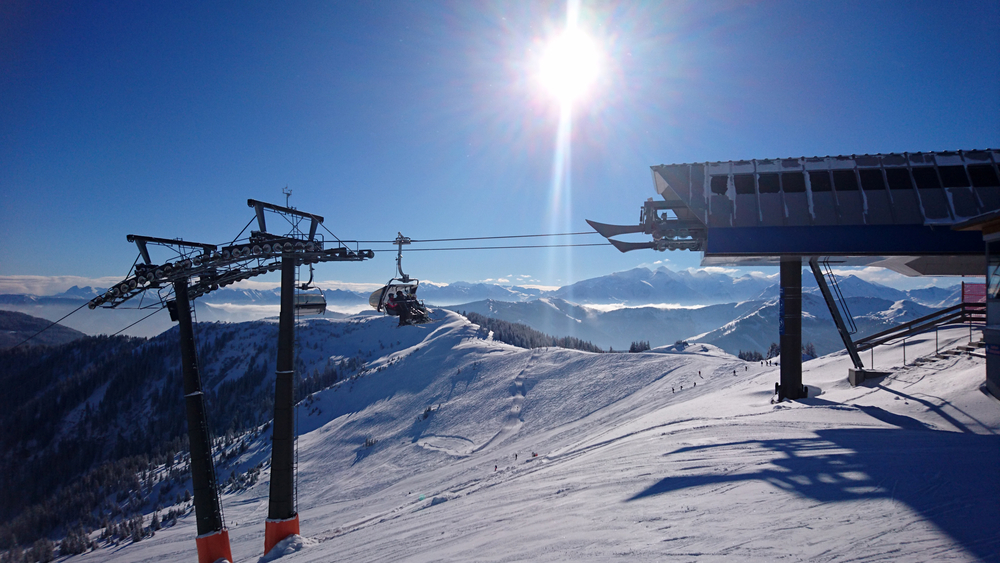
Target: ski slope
<point>658,456</point>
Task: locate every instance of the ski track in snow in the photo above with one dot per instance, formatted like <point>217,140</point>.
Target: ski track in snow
<point>513,421</point>
<point>639,458</point>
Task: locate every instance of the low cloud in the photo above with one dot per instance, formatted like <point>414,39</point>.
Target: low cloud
<point>539,287</point>
<point>352,286</point>
<point>51,285</point>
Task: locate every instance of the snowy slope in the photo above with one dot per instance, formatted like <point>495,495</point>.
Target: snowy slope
<point>651,457</point>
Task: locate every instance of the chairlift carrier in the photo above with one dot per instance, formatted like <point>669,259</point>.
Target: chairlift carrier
<point>312,303</point>
<point>404,283</point>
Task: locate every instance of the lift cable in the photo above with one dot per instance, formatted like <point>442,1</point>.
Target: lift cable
<point>138,321</point>
<point>495,247</point>
<point>385,250</point>
<point>54,323</point>
<point>508,236</point>
<point>482,238</point>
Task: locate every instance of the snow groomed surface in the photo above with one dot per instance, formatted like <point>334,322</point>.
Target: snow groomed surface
<point>659,456</point>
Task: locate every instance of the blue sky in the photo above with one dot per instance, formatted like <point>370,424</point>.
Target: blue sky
<point>427,118</point>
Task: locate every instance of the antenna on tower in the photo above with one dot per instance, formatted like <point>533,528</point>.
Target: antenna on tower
<point>288,194</point>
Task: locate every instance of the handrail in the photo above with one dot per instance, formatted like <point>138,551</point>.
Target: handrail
<point>970,313</point>
<point>840,297</point>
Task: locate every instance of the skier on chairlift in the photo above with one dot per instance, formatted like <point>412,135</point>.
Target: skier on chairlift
<point>399,296</point>
<point>402,309</point>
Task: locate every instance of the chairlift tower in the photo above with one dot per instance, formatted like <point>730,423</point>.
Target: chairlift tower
<point>213,538</point>
<point>195,270</point>
<point>282,518</point>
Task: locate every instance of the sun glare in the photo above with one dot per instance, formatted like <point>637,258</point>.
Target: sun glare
<point>569,66</point>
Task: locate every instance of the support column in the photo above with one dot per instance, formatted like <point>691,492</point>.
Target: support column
<point>790,329</point>
<point>282,520</point>
<point>213,538</point>
<point>991,332</point>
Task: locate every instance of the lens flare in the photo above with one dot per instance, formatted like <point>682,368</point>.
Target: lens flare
<point>569,66</point>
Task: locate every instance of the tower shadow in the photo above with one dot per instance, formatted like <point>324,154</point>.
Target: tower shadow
<point>951,479</point>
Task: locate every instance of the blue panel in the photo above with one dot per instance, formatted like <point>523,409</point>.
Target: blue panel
<point>964,202</point>
<point>825,208</point>
<point>847,240</point>
<point>876,196</point>
<point>746,210</point>
<point>721,214</point>
<point>905,207</point>
<point>798,209</point>
<point>851,208</point>
<point>772,209</point>
<point>879,210</point>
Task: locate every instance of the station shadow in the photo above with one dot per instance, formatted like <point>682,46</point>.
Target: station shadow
<point>952,479</point>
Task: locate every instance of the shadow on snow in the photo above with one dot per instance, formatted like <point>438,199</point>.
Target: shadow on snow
<point>951,479</point>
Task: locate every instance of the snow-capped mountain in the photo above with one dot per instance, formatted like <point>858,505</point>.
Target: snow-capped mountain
<point>757,329</point>
<point>641,286</point>
<point>616,328</point>
<point>733,327</point>
<point>853,286</point>
<point>462,292</point>
<point>556,312</point>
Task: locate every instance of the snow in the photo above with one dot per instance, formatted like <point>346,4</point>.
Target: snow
<point>664,455</point>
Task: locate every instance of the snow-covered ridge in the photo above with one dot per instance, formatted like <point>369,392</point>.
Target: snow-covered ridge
<point>448,447</point>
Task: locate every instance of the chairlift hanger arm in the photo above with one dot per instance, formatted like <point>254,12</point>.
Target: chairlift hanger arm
<point>400,241</point>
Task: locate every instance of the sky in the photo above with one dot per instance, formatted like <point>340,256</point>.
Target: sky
<point>430,119</point>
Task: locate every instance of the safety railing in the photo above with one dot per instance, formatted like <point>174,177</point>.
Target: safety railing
<point>963,313</point>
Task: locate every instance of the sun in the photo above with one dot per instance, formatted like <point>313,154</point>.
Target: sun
<point>569,66</point>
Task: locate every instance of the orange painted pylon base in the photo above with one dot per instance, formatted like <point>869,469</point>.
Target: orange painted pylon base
<point>277,530</point>
<point>214,546</point>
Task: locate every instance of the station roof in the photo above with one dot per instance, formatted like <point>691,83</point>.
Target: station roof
<point>890,210</point>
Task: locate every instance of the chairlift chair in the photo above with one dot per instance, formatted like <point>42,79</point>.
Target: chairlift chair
<point>307,301</point>
<point>379,299</point>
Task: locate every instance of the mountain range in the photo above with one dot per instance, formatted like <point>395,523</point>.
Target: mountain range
<point>660,306</point>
